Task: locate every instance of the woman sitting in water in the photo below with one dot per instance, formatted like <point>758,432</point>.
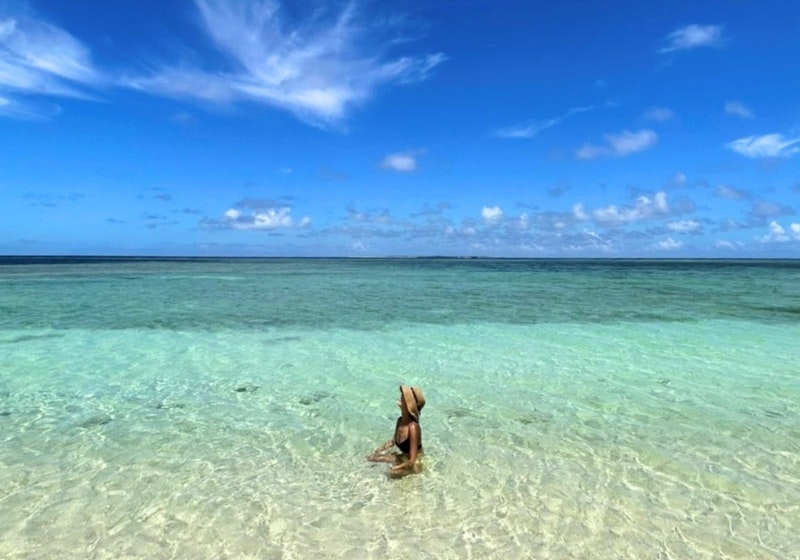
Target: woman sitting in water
<point>407,434</point>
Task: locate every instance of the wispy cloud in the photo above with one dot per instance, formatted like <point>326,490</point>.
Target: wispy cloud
<point>620,145</point>
<point>404,162</point>
<point>182,118</point>
<point>53,201</point>
<point>766,145</point>
<point>382,216</point>
<point>668,244</point>
<point>38,59</point>
<point>531,129</point>
<point>739,109</point>
<point>724,191</point>
<point>729,245</point>
<point>762,210</point>
<point>679,179</point>
<point>684,226</point>
<point>317,69</point>
<point>433,212</point>
<point>659,114</point>
<point>16,108</point>
<point>693,36</point>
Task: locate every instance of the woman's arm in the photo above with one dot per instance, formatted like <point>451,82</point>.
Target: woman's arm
<point>376,455</point>
<point>413,440</point>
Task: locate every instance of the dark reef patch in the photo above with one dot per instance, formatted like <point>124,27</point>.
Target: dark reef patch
<point>247,388</point>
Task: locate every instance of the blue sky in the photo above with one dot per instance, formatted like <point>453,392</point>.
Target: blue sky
<point>487,128</point>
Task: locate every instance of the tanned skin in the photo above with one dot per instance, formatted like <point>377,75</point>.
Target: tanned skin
<point>406,426</point>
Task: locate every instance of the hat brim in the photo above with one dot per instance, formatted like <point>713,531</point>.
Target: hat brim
<point>411,401</point>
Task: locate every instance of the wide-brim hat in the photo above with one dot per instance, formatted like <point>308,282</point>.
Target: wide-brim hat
<point>414,400</point>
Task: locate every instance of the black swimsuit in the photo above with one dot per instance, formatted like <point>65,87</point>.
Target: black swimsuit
<point>405,445</point>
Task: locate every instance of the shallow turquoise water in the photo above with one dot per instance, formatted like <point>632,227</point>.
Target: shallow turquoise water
<point>223,408</point>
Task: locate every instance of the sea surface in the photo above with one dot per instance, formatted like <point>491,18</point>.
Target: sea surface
<point>223,408</point>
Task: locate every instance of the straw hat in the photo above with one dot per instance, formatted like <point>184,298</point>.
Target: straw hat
<point>414,399</point>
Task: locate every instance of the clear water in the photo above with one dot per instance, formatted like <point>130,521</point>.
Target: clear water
<point>223,408</point>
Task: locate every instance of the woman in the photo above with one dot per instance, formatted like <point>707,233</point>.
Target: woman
<point>407,434</point>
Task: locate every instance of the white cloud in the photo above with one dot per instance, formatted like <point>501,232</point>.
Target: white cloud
<point>317,69</point>
<point>491,215</point>
<point>402,161</point>
<point>630,142</point>
<point>258,219</point>
<point>668,244</point>
<point>777,234</point>
<point>683,226</point>
<point>729,245</point>
<point>14,108</point>
<point>43,58</point>
<point>40,59</point>
<point>181,82</point>
<point>659,114</point>
<point>620,145</point>
<point>590,152</point>
<point>643,208</point>
<point>579,212</point>
<point>523,222</point>
<point>738,109</point>
<point>693,36</point>
<point>766,145</point>
<point>679,179</point>
<point>529,130</point>
<point>182,117</point>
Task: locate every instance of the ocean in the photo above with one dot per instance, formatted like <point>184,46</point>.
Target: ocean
<point>223,408</point>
